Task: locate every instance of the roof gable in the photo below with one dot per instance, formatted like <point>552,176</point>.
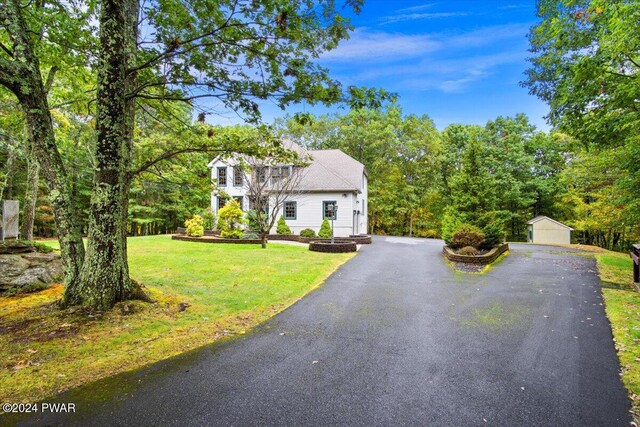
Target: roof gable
<point>541,217</point>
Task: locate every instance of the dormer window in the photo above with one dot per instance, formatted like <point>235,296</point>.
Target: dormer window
<point>279,172</point>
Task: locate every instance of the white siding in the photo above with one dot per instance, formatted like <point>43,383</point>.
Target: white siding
<point>309,205</point>
<point>549,232</point>
<point>310,215</point>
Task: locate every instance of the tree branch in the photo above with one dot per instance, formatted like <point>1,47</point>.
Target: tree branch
<point>170,155</point>
<point>6,49</point>
<point>50,77</point>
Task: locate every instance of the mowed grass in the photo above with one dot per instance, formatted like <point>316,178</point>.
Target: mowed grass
<point>622,302</point>
<point>228,289</point>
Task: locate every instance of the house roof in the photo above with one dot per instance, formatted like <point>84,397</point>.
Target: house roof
<point>332,170</point>
<point>329,170</point>
<point>541,217</point>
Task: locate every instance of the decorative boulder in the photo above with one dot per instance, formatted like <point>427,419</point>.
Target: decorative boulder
<point>18,270</point>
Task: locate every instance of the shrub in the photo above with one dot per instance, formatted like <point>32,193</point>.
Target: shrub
<point>254,219</point>
<point>249,236</point>
<point>467,235</point>
<point>209,219</point>
<point>230,219</point>
<point>493,234</point>
<point>468,250</point>
<point>492,225</point>
<point>282,227</point>
<point>307,232</point>
<point>195,226</point>
<point>325,230</point>
<point>451,221</point>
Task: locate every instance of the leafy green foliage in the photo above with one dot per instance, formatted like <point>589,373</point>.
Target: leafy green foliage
<point>208,218</point>
<point>466,235</point>
<point>254,219</point>
<point>230,220</point>
<point>249,236</point>
<point>282,227</point>
<point>307,232</point>
<point>195,226</point>
<point>325,230</point>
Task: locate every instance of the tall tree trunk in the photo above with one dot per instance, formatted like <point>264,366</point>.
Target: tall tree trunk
<point>105,277</point>
<point>23,77</point>
<point>31,193</point>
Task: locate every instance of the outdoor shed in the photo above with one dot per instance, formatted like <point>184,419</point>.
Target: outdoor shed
<point>542,229</point>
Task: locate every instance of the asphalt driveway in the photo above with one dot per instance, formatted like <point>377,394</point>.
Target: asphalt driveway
<point>396,337</point>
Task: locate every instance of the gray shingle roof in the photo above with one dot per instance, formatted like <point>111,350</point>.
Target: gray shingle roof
<point>329,170</point>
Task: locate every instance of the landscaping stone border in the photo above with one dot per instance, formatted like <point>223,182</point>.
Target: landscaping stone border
<point>334,248</point>
<point>360,239</point>
<point>487,258</point>
<point>212,239</point>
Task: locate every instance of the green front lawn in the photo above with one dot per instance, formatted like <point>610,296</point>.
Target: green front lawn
<point>622,303</point>
<point>228,288</point>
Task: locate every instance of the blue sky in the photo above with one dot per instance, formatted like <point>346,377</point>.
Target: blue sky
<point>456,61</point>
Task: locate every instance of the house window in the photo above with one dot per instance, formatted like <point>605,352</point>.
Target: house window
<point>221,202</point>
<point>329,209</point>
<point>239,199</point>
<point>277,173</point>
<point>222,176</point>
<point>237,177</point>
<point>290,210</point>
<point>261,173</point>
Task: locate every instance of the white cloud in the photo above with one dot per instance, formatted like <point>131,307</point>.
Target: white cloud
<point>514,6</point>
<point>416,8</point>
<point>419,16</point>
<point>365,45</point>
<point>447,62</point>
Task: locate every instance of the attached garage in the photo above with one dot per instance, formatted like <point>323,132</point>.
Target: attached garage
<point>545,230</point>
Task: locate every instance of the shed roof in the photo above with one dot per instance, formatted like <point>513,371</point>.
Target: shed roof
<point>541,217</point>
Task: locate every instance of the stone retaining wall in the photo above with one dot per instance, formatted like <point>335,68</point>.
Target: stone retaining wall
<point>334,248</point>
<point>487,258</point>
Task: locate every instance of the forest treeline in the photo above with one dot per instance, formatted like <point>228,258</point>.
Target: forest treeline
<point>416,173</point>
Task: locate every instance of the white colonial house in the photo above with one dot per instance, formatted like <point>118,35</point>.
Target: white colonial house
<point>331,178</point>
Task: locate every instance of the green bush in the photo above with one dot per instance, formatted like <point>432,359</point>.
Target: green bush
<point>493,234</point>
<point>451,221</point>
<point>492,225</point>
<point>249,236</point>
<point>307,232</point>
<point>325,230</point>
<point>254,219</point>
<point>230,220</point>
<point>195,226</point>
<point>282,227</point>
<point>468,250</point>
<point>209,219</point>
<point>466,235</point>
